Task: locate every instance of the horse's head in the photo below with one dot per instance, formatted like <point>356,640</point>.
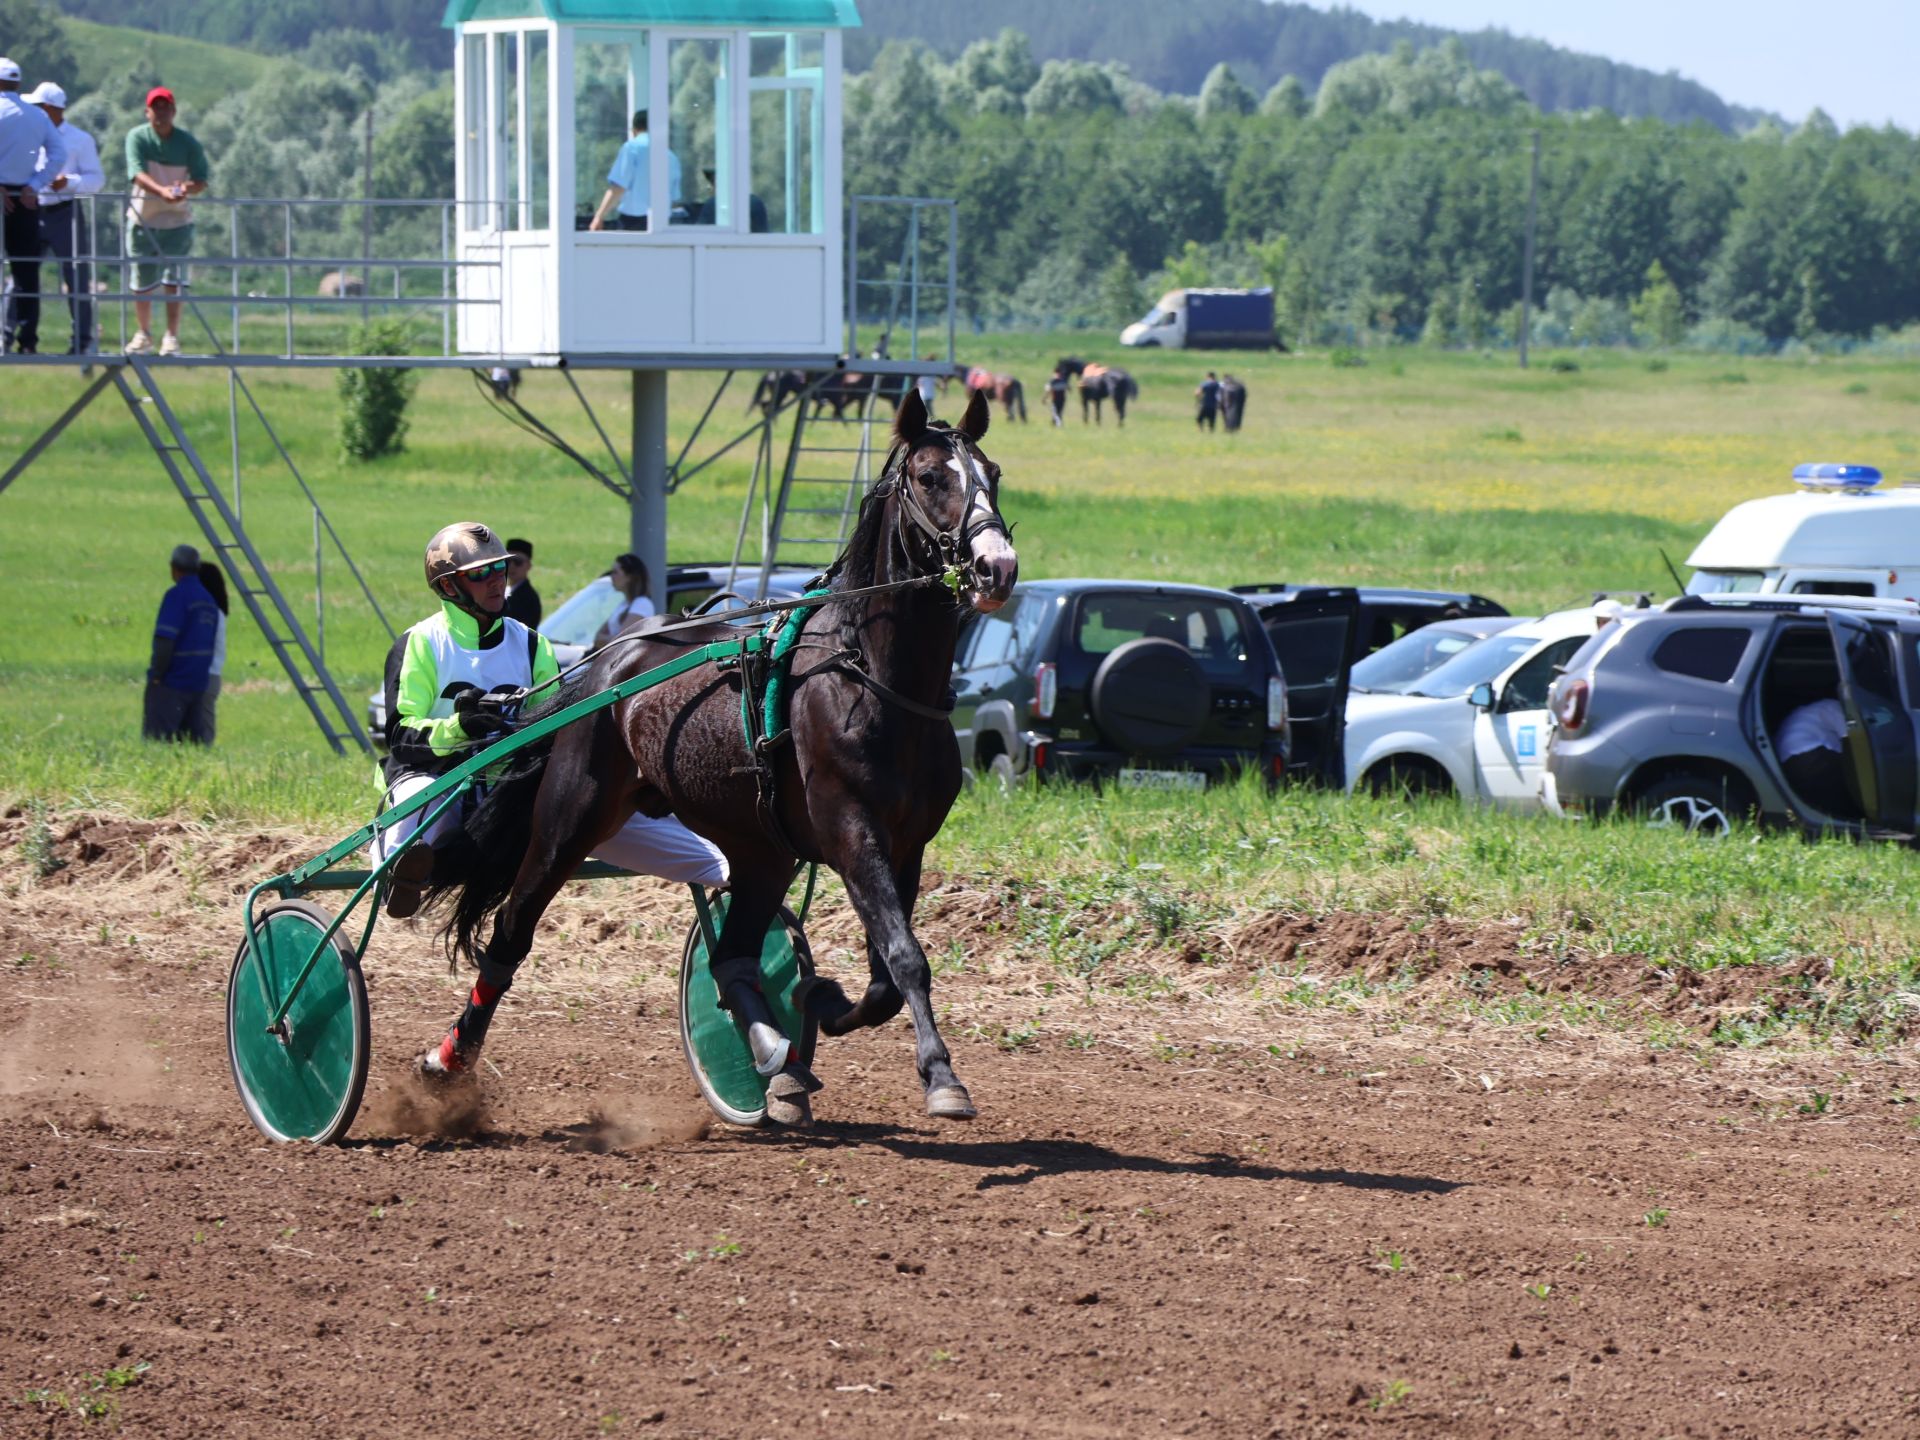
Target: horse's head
<point>950,494</point>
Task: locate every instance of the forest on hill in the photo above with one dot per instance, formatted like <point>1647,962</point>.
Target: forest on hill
<point>1173,47</point>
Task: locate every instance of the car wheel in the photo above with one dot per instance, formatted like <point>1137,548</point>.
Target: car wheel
<point>1407,777</point>
<point>999,776</point>
<point>1696,804</point>
<point>1150,697</point>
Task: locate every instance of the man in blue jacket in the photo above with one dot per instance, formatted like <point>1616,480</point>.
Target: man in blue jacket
<point>183,636</point>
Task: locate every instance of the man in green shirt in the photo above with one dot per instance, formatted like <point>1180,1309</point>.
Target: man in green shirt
<point>166,165</point>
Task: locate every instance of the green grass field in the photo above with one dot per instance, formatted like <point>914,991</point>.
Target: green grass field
<point>1445,470</point>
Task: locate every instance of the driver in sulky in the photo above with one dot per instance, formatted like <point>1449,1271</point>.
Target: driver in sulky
<point>453,683</point>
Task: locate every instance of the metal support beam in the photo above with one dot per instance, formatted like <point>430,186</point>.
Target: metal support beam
<point>648,531</point>
<point>53,431</point>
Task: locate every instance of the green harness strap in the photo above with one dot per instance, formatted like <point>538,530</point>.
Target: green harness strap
<point>782,635</point>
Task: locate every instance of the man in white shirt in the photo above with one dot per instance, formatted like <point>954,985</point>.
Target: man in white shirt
<point>629,577</point>
<point>25,133</point>
<point>1811,744</point>
<point>65,225</point>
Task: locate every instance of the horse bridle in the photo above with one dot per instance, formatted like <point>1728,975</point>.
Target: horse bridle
<point>949,548</point>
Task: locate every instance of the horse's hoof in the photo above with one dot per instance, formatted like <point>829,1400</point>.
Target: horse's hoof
<point>950,1102</point>
<point>787,1103</point>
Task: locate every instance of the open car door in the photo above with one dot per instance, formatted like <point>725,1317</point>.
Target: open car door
<point>1880,734</point>
<point>1314,639</point>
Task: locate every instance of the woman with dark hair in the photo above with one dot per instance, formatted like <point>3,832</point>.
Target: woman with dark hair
<point>216,583</point>
<point>629,577</point>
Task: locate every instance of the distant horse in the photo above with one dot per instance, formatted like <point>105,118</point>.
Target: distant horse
<point>839,390</point>
<point>862,779</point>
<point>1106,382</point>
<point>1006,390</point>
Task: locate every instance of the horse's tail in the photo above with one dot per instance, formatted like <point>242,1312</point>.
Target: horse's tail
<point>479,868</point>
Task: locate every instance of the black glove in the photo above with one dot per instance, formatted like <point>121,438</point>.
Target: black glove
<point>477,720</point>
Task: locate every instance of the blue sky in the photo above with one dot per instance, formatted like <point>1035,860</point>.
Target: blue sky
<point>1859,60</point>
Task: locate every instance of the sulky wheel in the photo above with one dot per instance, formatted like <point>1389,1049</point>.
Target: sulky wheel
<point>716,1049</point>
<point>304,1083</point>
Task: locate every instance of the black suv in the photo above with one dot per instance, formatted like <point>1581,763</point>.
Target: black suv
<point>1168,686</point>
<point>1320,632</point>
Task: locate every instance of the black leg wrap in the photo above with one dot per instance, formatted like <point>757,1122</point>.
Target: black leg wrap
<point>499,974</point>
<point>727,974</point>
<point>470,1030</point>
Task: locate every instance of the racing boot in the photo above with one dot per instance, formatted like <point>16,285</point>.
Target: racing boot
<point>407,883</point>
<point>458,1052</point>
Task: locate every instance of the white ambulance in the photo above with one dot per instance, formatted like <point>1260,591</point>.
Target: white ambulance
<point>1841,532</point>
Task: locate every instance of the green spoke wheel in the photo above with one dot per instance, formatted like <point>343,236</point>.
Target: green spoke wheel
<point>304,1083</point>
<point>716,1049</point>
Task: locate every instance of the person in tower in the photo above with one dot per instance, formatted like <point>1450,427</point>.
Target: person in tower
<point>439,676</point>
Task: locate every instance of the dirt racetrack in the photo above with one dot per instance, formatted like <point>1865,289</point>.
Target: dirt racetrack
<point>1189,1213</point>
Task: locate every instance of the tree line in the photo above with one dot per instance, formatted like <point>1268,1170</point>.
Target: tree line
<point>1389,204</point>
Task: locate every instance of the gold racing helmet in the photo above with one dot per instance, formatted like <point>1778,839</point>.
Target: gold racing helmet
<point>464,545</point>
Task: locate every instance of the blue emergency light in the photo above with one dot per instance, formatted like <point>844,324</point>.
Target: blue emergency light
<point>1835,477</point>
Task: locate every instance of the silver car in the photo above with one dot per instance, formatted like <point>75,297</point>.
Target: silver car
<point>1678,716</point>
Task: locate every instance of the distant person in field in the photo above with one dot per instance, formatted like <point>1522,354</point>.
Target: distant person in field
<point>629,194</point>
<point>1233,402</point>
<point>64,226</point>
<point>184,635</point>
<point>26,135</point>
<point>630,579</point>
<point>216,584</point>
<point>167,167</point>
<point>1058,384</point>
<point>523,601</point>
<point>1207,397</point>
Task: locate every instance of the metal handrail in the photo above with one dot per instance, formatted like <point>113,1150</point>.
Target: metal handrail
<point>444,242</point>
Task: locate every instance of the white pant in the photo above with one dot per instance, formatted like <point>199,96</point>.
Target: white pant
<point>646,846</point>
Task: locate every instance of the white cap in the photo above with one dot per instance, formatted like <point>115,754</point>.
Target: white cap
<point>9,70</point>
<point>48,93</point>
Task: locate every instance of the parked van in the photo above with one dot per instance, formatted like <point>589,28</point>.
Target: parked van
<point>1840,533</point>
<point>1206,320</point>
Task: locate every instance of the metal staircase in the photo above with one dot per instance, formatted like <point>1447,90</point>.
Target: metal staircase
<point>248,573</point>
<point>802,518</point>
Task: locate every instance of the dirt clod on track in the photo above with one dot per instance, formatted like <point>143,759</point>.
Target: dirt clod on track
<point>1202,1212</point>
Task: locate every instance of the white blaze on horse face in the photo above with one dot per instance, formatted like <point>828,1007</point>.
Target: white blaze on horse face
<point>991,550</point>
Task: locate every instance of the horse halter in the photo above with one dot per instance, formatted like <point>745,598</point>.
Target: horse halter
<point>948,547</point>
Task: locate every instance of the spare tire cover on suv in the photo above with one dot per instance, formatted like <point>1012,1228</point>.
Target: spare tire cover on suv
<point>1150,697</point>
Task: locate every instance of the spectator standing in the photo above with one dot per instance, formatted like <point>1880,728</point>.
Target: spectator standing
<point>629,194</point>
<point>166,166</point>
<point>523,601</point>
<point>216,584</point>
<point>629,576</point>
<point>1208,397</point>
<point>1057,384</point>
<point>66,229</point>
<point>26,135</point>
<point>183,640</point>
<point>1233,402</point>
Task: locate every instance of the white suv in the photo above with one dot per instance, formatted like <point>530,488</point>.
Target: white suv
<point>1477,725</point>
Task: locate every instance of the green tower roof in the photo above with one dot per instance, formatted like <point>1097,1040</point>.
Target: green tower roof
<point>733,14</point>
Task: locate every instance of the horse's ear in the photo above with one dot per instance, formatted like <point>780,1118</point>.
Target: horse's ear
<point>979,415</point>
<point>910,420</point>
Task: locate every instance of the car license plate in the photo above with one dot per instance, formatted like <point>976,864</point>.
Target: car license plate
<point>1163,780</point>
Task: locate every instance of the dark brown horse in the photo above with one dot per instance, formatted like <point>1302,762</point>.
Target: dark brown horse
<point>839,389</point>
<point>1106,382</point>
<point>1004,390</point>
<point>863,782</point>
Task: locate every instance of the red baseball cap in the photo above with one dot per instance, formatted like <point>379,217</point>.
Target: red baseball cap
<point>160,92</point>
